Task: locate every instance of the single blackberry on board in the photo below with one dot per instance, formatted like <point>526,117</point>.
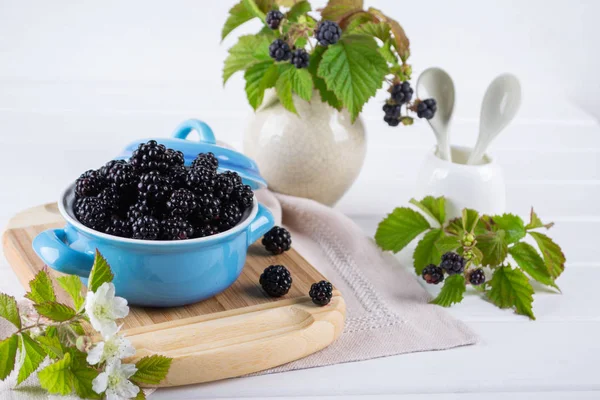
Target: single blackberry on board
<point>229,217</point>
<point>209,208</point>
<point>200,180</point>
<point>243,196</point>
<point>154,188</point>
<point>328,32</point>
<point>426,108</point>
<point>402,92</point>
<point>92,212</point>
<point>273,19</point>
<point>146,227</point>
<point>300,58</point>
<point>321,293</point>
<point>433,274</point>
<point>279,50</point>
<point>103,171</point>
<point>206,160</point>
<point>138,210</point>
<point>89,184</point>
<point>150,156</point>
<point>182,203</point>
<point>276,280</point>
<point>392,114</point>
<point>176,229</point>
<point>453,263</point>
<point>477,277</point>
<point>277,240</point>
<point>123,177</point>
<point>119,227</point>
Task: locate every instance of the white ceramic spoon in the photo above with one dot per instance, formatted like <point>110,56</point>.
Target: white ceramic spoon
<point>436,83</point>
<point>500,104</point>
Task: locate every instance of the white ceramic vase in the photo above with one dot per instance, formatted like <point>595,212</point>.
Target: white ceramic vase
<point>316,154</point>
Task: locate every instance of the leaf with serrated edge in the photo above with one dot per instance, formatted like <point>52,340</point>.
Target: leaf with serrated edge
<point>152,369</point>
<point>283,87</point>
<point>41,289</point>
<point>535,222</point>
<point>452,292</point>
<point>57,378</point>
<point>493,247</point>
<point>238,15</point>
<point>140,395</point>
<point>380,30</point>
<point>32,355</point>
<point>435,207</point>
<point>8,353</point>
<point>426,253</point>
<point>354,70</point>
<point>477,256</point>
<point>55,311</point>
<point>400,228</point>
<point>327,96</point>
<point>454,227</point>
<point>510,288</point>
<point>512,225</point>
<point>401,40</point>
<point>9,310</point>
<point>254,8</point>
<point>554,257</point>
<point>82,381</point>
<point>259,77</point>
<point>355,20</point>
<point>72,285</point>
<point>338,9</point>
<point>100,273</point>
<point>302,7</point>
<point>249,50</point>
<point>469,219</point>
<point>447,243</point>
<point>528,259</point>
<point>51,345</point>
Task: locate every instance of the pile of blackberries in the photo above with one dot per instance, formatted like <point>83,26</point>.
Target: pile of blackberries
<point>401,94</point>
<point>153,196</point>
<point>452,264</point>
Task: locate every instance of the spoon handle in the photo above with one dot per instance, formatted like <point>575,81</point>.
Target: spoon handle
<point>444,148</point>
<point>477,154</point>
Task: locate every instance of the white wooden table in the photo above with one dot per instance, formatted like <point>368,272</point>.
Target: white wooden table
<point>551,161</point>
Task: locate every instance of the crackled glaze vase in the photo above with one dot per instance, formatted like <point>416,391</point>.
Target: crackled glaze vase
<point>316,154</point>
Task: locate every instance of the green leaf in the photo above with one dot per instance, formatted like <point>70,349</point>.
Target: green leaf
<point>353,21</point>
<point>477,256</point>
<point>535,222</point>
<point>469,219</point>
<point>435,207</point>
<point>338,9</point>
<point>72,285</point>
<point>57,378</point>
<point>447,243</point>
<point>387,53</point>
<point>100,273</point>
<point>140,395</point>
<point>380,30</point>
<point>327,96</point>
<point>493,247</point>
<point>452,292</point>
<point>293,80</point>
<point>554,257</point>
<point>8,353</point>
<point>41,289</point>
<point>55,311</point>
<point>399,228</point>
<point>528,259</point>
<point>298,9</point>
<point>32,354</point>
<point>260,77</point>
<point>238,15</point>
<point>510,288</point>
<point>512,225</point>
<point>9,310</point>
<point>82,377</point>
<point>283,87</point>
<point>254,8</point>
<point>401,42</point>
<point>353,69</point>
<point>455,227</point>
<point>51,343</point>
<point>152,369</point>
<point>249,50</point>
<point>426,252</point>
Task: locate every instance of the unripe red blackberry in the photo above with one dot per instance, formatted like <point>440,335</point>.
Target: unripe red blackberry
<point>433,274</point>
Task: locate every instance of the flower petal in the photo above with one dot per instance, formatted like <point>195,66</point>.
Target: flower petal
<point>95,354</point>
<point>128,369</point>
<point>120,308</point>
<point>106,328</point>
<point>100,383</point>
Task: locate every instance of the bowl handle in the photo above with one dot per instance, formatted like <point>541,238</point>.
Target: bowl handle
<point>262,223</point>
<point>52,248</point>
<point>186,127</point>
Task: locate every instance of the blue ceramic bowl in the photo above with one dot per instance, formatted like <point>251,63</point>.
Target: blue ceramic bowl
<point>154,273</point>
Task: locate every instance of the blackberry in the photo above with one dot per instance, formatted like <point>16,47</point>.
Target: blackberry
<point>103,171</point>
<point>402,92</point>
<point>154,188</point>
<point>234,176</point>
<point>477,277</point>
<point>433,274</point>
<point>279,50</point>
<point>89,184</point>
<point>200,180</point>
<point>138,210</point>
<point>392,114</point>
<point>321,293</point>
<point>224,185</point>
<point>92,212</point>
<point>176,229</point>
<point>328,32</point>
<point>205,230</point>
<point>177,175</point>
<point>300,58</point>
<point>273,19</point>
<point>150,156</point>
<point>426,108</point>
<point>146,227</point>
<point>112,198</point>
<point>229,217</point>
<point>453,263</point>
<point>182,203</point>
<point>174,158</point>
<point>277,240</point>
<point>123,177</point>
<point>276,280</point>
<point>243,196</point>
<point>209,208</point>
<point>119,227</point>
<point>206,160</point>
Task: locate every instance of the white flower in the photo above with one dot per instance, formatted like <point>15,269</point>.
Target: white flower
<point>113,348</point>
<point>114,381</point>
<point>103,308</point>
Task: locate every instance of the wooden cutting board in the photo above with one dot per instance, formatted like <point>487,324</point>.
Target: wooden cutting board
<point>237,332</point>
